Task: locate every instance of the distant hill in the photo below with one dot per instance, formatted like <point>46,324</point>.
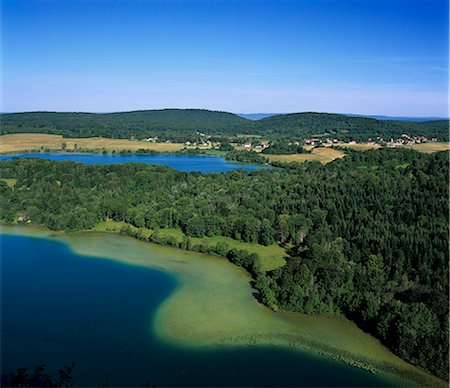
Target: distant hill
<point>345,127</point>
<point>173,124</point>
<point>180,125</point>
<point>256,116</point>
<point>400,118</point>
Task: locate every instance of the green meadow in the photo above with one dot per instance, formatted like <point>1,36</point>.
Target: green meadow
<point>271,256</point>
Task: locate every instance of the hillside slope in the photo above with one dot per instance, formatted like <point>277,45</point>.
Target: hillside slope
<point>173,124</point>
<point>180,125</point>
<point>346,127</point>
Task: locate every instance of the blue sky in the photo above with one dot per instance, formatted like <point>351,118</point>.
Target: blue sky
<point>360,56</point>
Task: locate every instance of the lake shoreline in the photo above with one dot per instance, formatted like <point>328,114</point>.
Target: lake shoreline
<point>180,161</point>
<point>317,338</point>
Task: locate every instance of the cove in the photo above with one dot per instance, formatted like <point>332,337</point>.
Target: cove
<point>204,164</point>
<point>129,312</point>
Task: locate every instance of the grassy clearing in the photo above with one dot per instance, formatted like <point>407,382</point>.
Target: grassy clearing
<point>320,135</point>
<point>429,147</point>
<point>36,141</point>
<point>249,136</point>
<point>272,256</point>
<point>11,182</point>
<point>424,147</point>
<point>323,155</point>
<point>357,146</point>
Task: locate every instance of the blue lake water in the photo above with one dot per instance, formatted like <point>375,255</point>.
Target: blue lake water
<point>203,164</point>
<point>59,307</point>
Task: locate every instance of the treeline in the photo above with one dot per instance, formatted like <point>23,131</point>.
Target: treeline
<point>180,125</point>
<point>240,257</point>
<point>367,234</point>
<point>283,148</point>
<point>246,157</point>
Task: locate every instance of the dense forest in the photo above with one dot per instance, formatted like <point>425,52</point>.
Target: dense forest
<point>280,148</point>
<point>367,235</point>
<point>180,125</point>
<point>246,157</point>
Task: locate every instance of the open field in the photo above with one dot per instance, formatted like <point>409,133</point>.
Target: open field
<point>272,256</point>
<point>36,141</point>
<point>254,136</point>
<point>323,155</point>
<point>423,147</point>
<point>357,146</point>
<point>429,147</point>
<point>11,182</point>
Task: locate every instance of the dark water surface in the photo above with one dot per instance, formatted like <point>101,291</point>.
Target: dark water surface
<point>58,307</point>
<point>203,164</point>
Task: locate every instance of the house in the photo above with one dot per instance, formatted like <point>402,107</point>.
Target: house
<point>311,141</point>
<point>23,218</point>
<point>248,145</point>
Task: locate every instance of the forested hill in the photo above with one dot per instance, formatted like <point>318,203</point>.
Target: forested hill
<point>180,125</point>
<point>344,127</point>
<point>173,124</point>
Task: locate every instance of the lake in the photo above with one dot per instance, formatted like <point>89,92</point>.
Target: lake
<point>60,306</point>
<point>204,164</point>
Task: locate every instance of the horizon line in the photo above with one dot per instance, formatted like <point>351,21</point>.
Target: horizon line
<point>235,113</point>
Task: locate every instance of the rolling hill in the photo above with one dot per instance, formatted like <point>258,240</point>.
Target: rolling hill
<point>170,124</point>
<point>345,127</point>
<point>180,125</point>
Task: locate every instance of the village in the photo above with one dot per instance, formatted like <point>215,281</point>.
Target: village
<point>259,145</point>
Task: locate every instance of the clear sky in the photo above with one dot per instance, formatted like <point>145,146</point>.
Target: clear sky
<point>387,57</point>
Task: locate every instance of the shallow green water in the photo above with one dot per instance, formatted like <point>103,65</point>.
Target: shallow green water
<point>59,307</point>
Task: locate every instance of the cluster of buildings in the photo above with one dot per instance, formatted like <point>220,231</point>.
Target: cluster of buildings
<point>315,141</point>
<point>403,140</point>
<point>206,143</point>
<point>260,146</point>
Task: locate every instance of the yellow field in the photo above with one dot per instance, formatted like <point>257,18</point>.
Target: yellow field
<point>34,141</point>
<point>429,147</point>
<point>323,155</point>
<point>424,147</point>
<point>242,148</point>
<point>11,182</point>
<point>357,146</point>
